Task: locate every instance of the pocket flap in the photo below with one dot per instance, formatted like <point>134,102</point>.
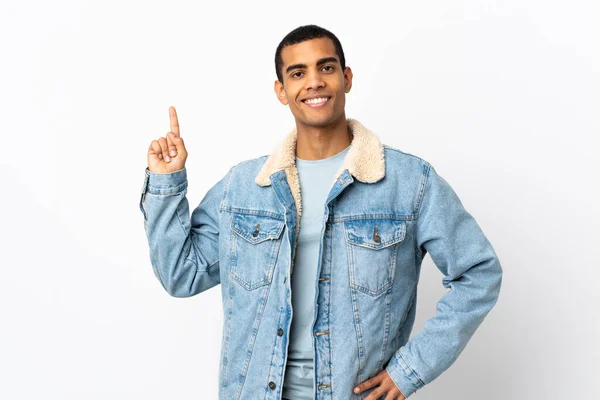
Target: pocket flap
<point>257,228</point>
<point>375,233</point>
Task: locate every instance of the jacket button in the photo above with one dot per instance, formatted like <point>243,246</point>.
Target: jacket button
<point>376,237</point>
<point>255,233</point>
<point>272,385</point>
<point>280,332</point>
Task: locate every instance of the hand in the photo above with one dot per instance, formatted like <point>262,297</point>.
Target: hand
<point>386,385</point>
<point>168,154</point>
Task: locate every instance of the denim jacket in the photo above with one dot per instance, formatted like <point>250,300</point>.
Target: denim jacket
<point>385,211</point>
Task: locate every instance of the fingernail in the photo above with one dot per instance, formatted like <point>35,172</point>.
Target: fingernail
<point>159,155</point>
<point>171,134</point>
<point>355,390</point>
<point>167,158</point>
<point>173,154</point>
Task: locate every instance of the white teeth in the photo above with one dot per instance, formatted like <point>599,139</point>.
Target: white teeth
<point>318,100</point>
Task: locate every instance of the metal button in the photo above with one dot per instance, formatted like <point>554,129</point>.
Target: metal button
<point>280,332</point>
<point>376,237</point>
<point>255,233</point>
<point>272,385</point>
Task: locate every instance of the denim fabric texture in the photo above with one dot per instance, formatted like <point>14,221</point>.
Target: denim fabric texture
<point>385,211</point>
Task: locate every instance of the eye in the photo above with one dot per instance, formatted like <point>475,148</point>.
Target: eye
<point>328,68</point>
<point>297,74</point>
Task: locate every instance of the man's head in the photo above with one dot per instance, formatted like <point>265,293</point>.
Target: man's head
<point>302,34</point>
<point>312,77</point>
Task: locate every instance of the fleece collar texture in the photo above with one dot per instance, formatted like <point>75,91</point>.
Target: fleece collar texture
<point>364,161</point>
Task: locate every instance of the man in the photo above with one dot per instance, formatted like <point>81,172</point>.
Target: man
<point>324,311</point>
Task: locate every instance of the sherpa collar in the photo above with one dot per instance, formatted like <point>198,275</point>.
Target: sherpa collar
<point>365,158</point>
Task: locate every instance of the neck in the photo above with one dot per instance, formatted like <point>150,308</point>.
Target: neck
<point>316,143</point>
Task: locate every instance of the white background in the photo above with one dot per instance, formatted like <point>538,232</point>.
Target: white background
<point>502,97</point>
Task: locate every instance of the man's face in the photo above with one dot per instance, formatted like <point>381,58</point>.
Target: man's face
<point>314,85</point>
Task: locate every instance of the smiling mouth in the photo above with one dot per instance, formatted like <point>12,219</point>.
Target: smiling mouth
<point>317,102</point>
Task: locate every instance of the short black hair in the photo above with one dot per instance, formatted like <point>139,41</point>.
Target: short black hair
<point>302,34</point>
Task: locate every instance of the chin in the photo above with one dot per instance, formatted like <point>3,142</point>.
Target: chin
<point>316,124</point>
<point>318,120</point>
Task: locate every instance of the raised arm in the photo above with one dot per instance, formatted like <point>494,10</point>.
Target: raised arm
<point>184,251</point>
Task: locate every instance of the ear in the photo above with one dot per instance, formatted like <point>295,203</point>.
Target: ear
<point>280,92</point>
<point>347,79</point>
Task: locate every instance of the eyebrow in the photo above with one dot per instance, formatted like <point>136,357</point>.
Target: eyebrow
<point>319,62</point>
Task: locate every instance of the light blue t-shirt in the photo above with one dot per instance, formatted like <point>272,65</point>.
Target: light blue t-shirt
<point>316,181</point>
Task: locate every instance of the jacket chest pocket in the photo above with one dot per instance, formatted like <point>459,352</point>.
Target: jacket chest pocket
<point>255,243</point>
<point>372,248</point>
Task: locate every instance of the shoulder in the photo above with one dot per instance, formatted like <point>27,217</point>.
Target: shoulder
<point>402,160</point>
<point>251,162</point>
<point>248,167</point>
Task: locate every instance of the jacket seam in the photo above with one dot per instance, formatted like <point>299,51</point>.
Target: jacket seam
<point>420,197</point>
<point>408,307</point>
<point>195,275</point>
<point>179,219</point>
<point>166,190</point>
<point>422,189</point>
<point>250,211</point>
<point>412,370</point>
<point>219,214</point>
<point>229,174</point>
<point>387,146</point>
<point>198,268</point>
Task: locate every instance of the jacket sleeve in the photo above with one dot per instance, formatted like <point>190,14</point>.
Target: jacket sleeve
<point>472,272</point>
<point>184,252</point>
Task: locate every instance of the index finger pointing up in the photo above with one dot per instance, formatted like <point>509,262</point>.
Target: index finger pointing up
<point>174,121</point>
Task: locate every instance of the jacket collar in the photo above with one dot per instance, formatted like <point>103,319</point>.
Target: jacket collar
<point>365,159</point>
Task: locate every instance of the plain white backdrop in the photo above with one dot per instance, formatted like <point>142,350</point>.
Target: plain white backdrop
<point>502,97</point>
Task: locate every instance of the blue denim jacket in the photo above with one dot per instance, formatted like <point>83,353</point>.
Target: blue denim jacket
<point>386,210</point>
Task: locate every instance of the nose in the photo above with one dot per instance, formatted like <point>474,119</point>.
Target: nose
<point>314,81</point>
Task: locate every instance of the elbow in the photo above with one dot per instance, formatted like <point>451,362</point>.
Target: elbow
<point>499,273</point>
<point>176,288</point>
<point>486,277</point>
<point>177,291</point>
<point>179,294</point>
<point>494,279</point>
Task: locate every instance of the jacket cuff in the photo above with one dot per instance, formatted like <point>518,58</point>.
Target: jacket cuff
<point>165,184</point>
<point>405,378</point>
